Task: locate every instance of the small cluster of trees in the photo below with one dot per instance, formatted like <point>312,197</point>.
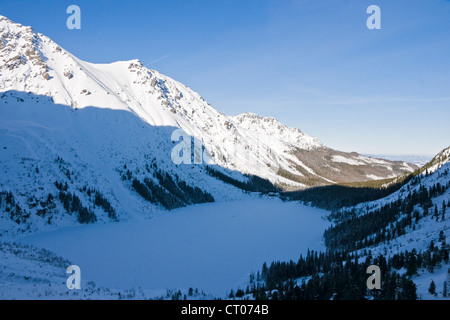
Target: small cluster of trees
<point>100,201</point>
<point>46,205</point>
<point>432,289</point>
<point>72,204</point>
<point>181,190</point>
<point>61,165</point>
<point>170,192</point>
<point>16,213</point>
<point>429,259</point>
<point>61,186</point>
<point>104,203</point>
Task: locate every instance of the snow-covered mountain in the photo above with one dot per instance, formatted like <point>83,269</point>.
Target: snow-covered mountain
<point>247,143</point>
<point>97,139</point>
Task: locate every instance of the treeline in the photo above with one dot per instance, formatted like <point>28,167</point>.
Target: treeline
<point>169,192</point>
<point>355,231</point>
<point>325,276</point>
<point>253,184</point>
<point>335,197</point>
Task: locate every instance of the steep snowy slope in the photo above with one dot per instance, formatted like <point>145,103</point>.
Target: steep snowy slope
<point>51,154</point>
<point>246,143</point>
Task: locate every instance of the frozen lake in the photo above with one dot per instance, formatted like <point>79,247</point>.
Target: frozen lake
<point>213,247</point>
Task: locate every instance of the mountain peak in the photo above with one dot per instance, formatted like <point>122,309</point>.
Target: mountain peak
<point>5,20</point>
<point>13,27</point>
<point>272,127</point>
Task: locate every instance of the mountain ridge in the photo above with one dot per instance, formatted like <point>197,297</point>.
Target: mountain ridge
<point>247,143</point>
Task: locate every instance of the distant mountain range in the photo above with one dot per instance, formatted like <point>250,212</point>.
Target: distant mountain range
<point>414,159</point>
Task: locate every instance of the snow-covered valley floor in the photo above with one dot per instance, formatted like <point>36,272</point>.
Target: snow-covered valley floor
<point>213,247</point>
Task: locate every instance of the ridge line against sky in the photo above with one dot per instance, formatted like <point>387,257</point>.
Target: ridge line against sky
<point>313,65</point>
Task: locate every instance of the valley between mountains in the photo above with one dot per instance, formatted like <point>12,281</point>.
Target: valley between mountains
<point>88,177</point>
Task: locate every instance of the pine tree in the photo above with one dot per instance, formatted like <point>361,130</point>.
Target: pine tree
<point>444,291</point>
<point>239,293</point>
<point>441,236</point>
<point>432,288</point>
<point>412,266</point>
<point>444,208</point>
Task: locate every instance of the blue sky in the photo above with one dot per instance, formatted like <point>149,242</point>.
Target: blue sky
<point>311,64</point>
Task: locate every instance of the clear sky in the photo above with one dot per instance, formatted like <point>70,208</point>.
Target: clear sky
<point>312,64</point>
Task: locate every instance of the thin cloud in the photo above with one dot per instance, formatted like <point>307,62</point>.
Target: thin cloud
<point>156,60</point>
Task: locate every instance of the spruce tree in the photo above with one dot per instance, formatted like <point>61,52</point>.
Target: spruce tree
<point>441,236</point>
